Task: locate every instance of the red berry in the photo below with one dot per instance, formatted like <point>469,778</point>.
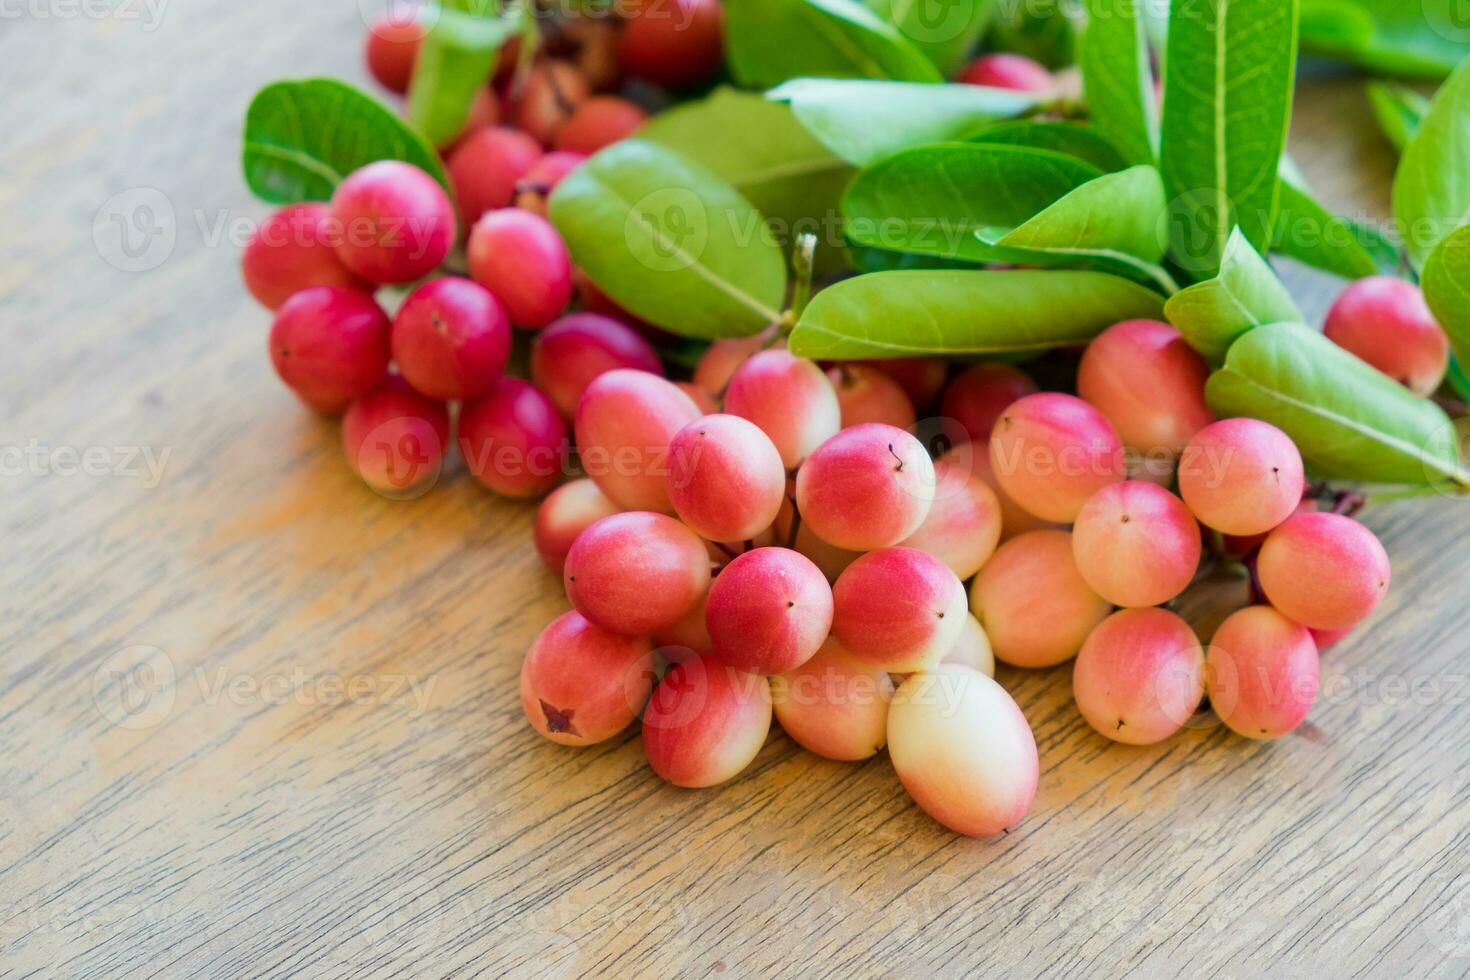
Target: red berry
<point>397,222</point>
<point>1009,71</point>
<point>512,439</point>
<point>574,350</point>
<point>520,258</point>
<point>330,344</point>
<point>485,167</point>
<point>393,43</point>
<point>598,122</point>
<point>291,250</point>
<point>451,339</point>
<point>394,438</point>
<point>673,43</point>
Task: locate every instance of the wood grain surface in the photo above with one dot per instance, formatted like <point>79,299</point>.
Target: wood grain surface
<point>257,721</point>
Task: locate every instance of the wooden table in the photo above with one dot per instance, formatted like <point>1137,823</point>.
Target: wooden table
<point>321,767</point>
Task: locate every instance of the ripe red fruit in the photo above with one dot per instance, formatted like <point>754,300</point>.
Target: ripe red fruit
<point>291,250</point>
<point>866,394</point>
<point>1140,676</point>
<point>769,610</point>
<point>395,437</point>
<point>789,398</point>
<point>600,121</point>
<point>636,572</point>
<point>553,91</point>
<point>566,512</point>
<point>393,43</point>
<point>1325,571</point>
<point>1241,476</point>
<point>397,223</point>
<point>581,684</point>
<point>721,359</point>
<point>725,479</point>
<point>485,167</point>
<point>1136,544</point>
<point>1051,452</point>
<point>980,394</point>
<point>705,722</point>
<point>520,258</point>
<point>536,184</point>
<point>569,354</point>
<point>330,345</point>
<point>898,609</point>
<point>1009,71</point>
<point>673,43</point>
<point>1261,673</point>
<point>865,488</point>
<point>451,339</point>
<point>963,526</point>
<point>1150,384</point>
<point>1385,321</point>
<point>512,439</point>
<point>624,424</point>
<point>921,378</point>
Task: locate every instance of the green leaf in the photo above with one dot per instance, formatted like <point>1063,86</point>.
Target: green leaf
<point>1309,233</point>
<point>454,63</point>
<point>865,259</point>
<point>1399,111</point>
<point>1349,420</point>
<point>1244,295</point>
<point>1423,39</point>
<point>1073,139</point>
<point>946,31</point>
<point>1458,380</point>
<point>759,148</point>
<point>1446,285</point>
<point>302,138</point>
<point>1431,190</point>
<point>911,314</point>
<point>1044,30</point>
<point>768,42</point>
<point>862,121</point>
<point>671,242</point>
<point>1117,79</point>
<point>1227,102</point>
<point>933,199</point>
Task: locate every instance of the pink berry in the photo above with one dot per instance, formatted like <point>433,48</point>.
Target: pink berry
<point>963,526</point>
<point>898,609</point>
<point>705,722</point>
<point>512,439</point>
<point>1140,676</point>
<point>921,378</point>
<point>486,166</point>
<point>568,511</point>
<point>1241,476</point>
<point>687,635</point>
<point>1150,384</point>
<point>1385,321</point>
<point>722,357</point>
<point>330,345</point>
<point>699,397</point>
<point>1242,545</point>
<point>834,704</point>
<point>581,684</point>
<point>866,394</point>
<point>1325,571</point>
<point>1328,638</point>
<point>451,339</point>
<point>1261,673</point>
<point>725,479</point>
<point>970,457</point>
<point>569,354</point>
<point>979,395</point>
<point>963,750</point>
<point>789,398</point>
<point>867,487</point>
<point>536,184</point>
<point>1051,452</point>
<point>397,223</point>
<point>520,258</point>
<point>625,423</point>
<point>636,572</point>
<point>1136,544</point>
<point>1009,71</point>
<point>600,121</point>
<point>674,43</point>
<point>292,250</point>
<point>1035,606</point>
<point>972,648</point>
<point>393,42</point>
<point>832,560</point>
<point>553,90</point>
<point>395,437</point>
<point>769,610</point>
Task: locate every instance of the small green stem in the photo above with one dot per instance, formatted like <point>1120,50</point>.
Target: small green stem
<point>802,260</point>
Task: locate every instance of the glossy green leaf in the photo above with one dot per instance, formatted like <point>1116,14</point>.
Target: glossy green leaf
<point>1349,420</point>
<point>915,313</point>
<point>671,242</point>
<point>1244,295</point>
<point>1458,379</point>
<point>946,31</point>
<point>1446,285</point>
<point>1309,233</point>
<point>863,121</point>
<point>933,199</point>
<point>1421,38</point>
<point>454,63</point>
<point>865,259</point>
<point>1431,190</point>
<point>768,42</point>
<point>1399,111</point>
<point>1073,139</point>
<point>1117,78</point>
<point>1227,101</point>
<point>1043,30</point>
<point>302,138</point>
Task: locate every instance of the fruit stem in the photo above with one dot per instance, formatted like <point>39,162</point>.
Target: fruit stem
<point>802,260</point>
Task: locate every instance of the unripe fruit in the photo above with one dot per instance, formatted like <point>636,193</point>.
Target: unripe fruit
<point>962,528</point>
<point>720,360</point>
<point>769,610</point>
<point>1149,383</point>
<point>921,378</point>
<point>600,121</point>
<point>789,398</point>
<point>536,184</point>
<point>451,339</point>
<point>705,722</point>
<point>980,394</point>
<point>835,704</point>
<point>866,394</point>
<point>393,43</point>
<point>1385,321</point>
<point>725,479</point>
<point>624,425</point>
<point>972,648</point>
<point>673,43</point>
<point>1136,544</point>
<point>865,488</point>
<point>485,168</point>
<point>1051,452</point>
<point>963,750</point>
<point>1140,676</point>
<point>1261,673</point>
<point>512,439</point>
<point>1241,476</point>
<point>898,609</point>
<point>581,684</point>
<point>520,258</point>
<point>1034,604</point>
<point>293,250</point>
<point>568,511</point>
<point>574,350</point>
<point>1009,71</point>
<point>330,345</point>
<point>1325,571</point>
<point>397,223</point>
<point>553,91</point>
<point>395,437</point>
<point>636,572</point>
